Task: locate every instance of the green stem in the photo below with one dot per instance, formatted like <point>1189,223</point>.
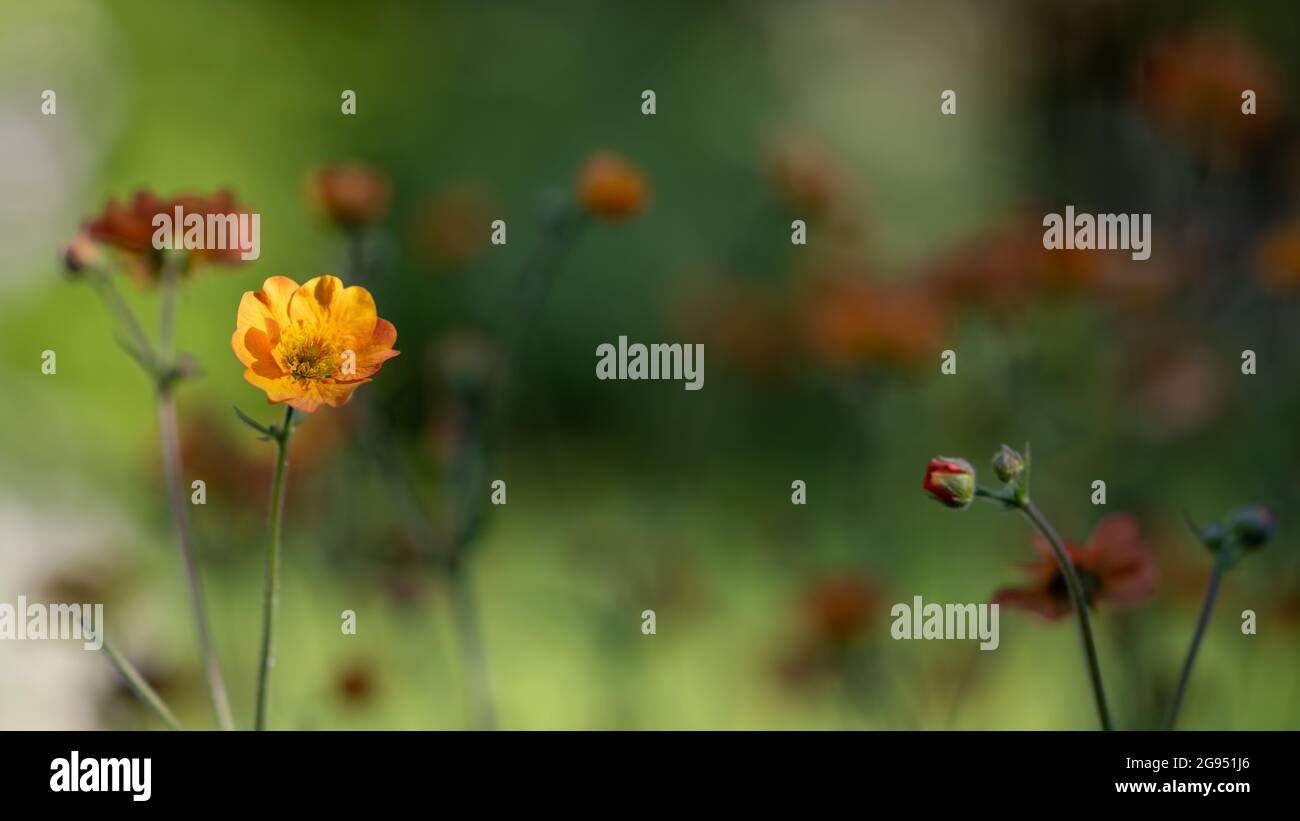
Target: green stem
<point>171,457</point>
<point>271,587</point>
<point>170,276</point>
<point>169,436</point>
<point>1211,593</point>
<point>471,644</point>
<point>356,254</point>
<point>1079,602</point>
<point>117,306</point>
<point>139,686</point>
<point>560,227</point>
<point>160,366</point>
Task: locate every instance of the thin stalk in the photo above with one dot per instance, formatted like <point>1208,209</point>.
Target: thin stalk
<point>561,228</point>
<point>159,366</point>
<point>139,686</point>
<point>471,641</point>
<point>169,438</point>
<point>170,276</point>
<point>1211,593</point>
<point>356,253</point>
<point>271,587</point>
<point>1079,602</point>
<point>117,306</point>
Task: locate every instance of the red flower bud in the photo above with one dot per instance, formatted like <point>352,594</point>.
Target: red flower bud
<point>950,481</point>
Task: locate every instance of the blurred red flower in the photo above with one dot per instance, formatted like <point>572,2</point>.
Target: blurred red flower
<point>1116,566</point>
<point>1004,268</point>
<point>811,183</point>
<point>129,228</point>
<point>840,610</point>
<point>849,321</point>
<point>1191,87</point>
<point>349,196</point>
<point>835,616</point>
<point>1277,257</point>
<point>741,325</point>
<point>453,225</point>
<point>1173,383</point>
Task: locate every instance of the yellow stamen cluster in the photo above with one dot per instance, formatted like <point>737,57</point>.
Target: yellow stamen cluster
<point>307,355</point>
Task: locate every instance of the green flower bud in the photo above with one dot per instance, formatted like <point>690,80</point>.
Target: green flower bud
<point>1008,464</point>
<point>1252,526</point>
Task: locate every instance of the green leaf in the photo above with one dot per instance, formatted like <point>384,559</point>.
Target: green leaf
<point>266,432</point>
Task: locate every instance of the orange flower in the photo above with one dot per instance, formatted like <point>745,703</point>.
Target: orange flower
<point>453,226</point>
<point>1172,382</point>
<point>1115,566</point>
<point>611,187</point>
<point>350,195</point>
<point>806,178</point>
<point>1005,267</point>
<point>1277,257</point>
<point>129,228</point>
<point>310,344</point>
<point>1191,87</point>
<point>839,610</point>
<point>849,321</point>
<point>747,326</point>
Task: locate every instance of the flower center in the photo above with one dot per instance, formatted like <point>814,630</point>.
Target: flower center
<point>1091,586</point>
<point>308,356</point>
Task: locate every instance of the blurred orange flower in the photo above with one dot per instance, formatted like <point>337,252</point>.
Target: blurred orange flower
<point>850,321</point>
<point>1191,87</point>
<point>1006,267</point>
<point>806,178</point>
<point>611,187</point>
<point>453,226</point>
<point>349,195</point>
<point>129,228</point>
<point>839,610</point>
<point>1277,257</point>
<point>835,616</point>
<point>1173,382</point>
<point>1116,565</point>
<point>741,325</point>
<point>354,682</point>
<point>312,344</point>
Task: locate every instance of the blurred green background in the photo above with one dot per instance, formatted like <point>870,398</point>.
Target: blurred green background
<point>821,361</point>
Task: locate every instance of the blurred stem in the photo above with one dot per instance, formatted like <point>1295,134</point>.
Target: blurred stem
<point>1077,599</point>
<point>467,479</point>
<point>112,299</point>
<point>1211,593</point>
<point>356,254</point>
<point>271,587</point>
<point>471,645</point>
<point>161,369</point>
<point>137,683</point>
<point>170,440</point>
<point>561,224</point>
<point>169,437</point>
<point>170,276</point>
